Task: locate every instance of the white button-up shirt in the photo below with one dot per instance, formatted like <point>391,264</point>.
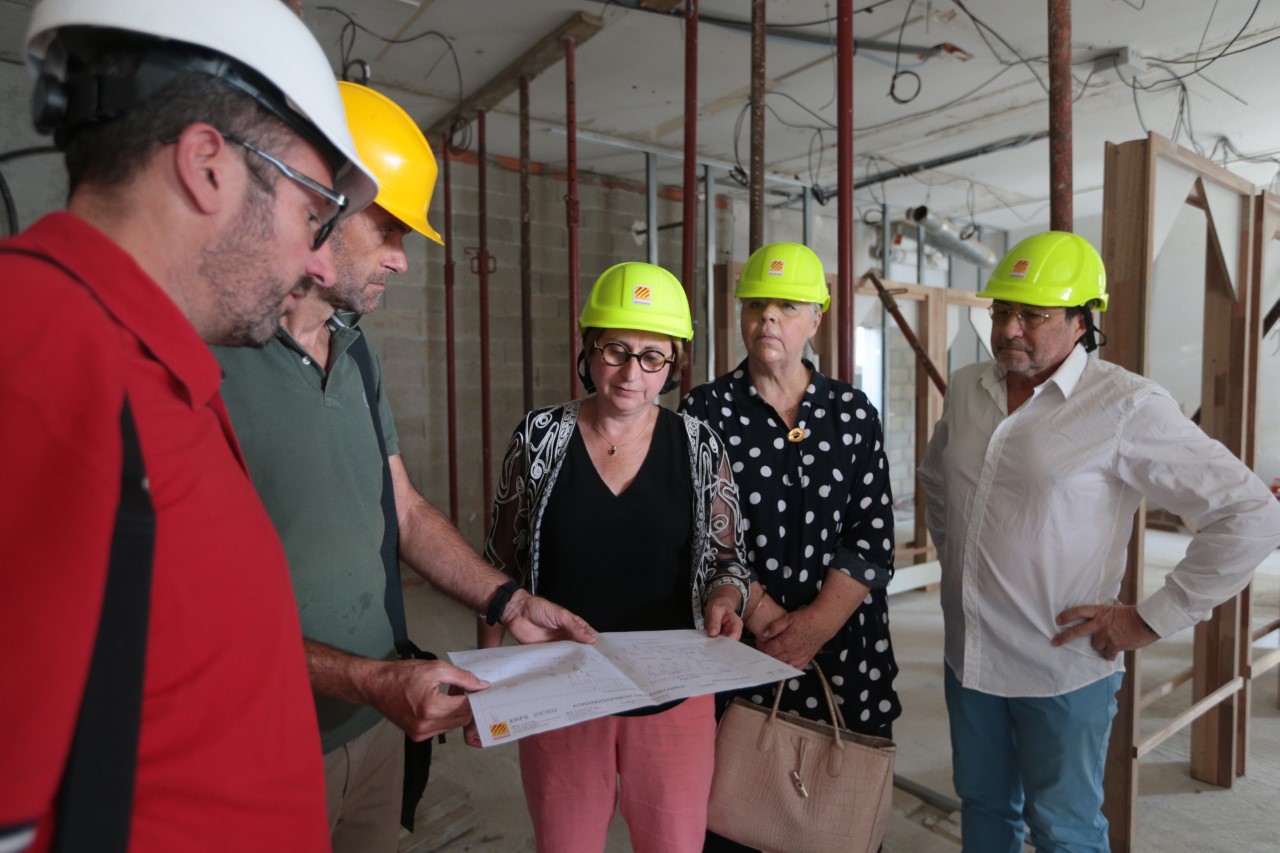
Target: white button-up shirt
<point>1032,512</point>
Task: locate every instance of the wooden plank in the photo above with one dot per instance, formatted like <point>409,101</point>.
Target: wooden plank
<point>549,50</point>
<point>919,576</point>
<point>1262,663</point>
<point>1160,735</point>
<point>826,343</point>
<point>726,329</point>
<point>1216,663</point>
<point>1165,688</point>
<point>1206,168</point>
<point>1127,216</point>
<point>933,337</point>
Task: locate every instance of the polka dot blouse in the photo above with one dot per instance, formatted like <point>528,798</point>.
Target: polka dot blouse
<point>808,507</point>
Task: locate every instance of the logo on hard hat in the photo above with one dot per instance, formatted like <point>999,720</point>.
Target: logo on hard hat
<point>1020,268</point>
<point>777,267</point>
<point>642,294</point>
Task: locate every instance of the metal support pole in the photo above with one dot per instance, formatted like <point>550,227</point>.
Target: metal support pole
<point>451,372</point>
<point>709,213</point>
<point>651,207</point>
<point>920,254</point>
<point>689,244</point>
<point>1060,174</point>
<point>482,263</point>
<point>886,240</point>
<point>806,224</point>
<point>571,206</point>
<point>526,250</point>
<point>845,218</point>
<point>756,187</point>
<point>892,305</point>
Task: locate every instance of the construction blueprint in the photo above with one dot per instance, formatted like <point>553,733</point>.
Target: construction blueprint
<point>540,687</point>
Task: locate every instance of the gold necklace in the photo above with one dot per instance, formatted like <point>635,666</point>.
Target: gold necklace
<point>613,448</point>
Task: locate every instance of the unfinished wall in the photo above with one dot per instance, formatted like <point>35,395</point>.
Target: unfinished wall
<point>409,328</point>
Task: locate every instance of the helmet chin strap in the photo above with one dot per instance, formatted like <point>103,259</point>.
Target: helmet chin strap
<point>1091,332</point>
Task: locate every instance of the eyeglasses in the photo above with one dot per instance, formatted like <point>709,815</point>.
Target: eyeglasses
<point>1029,319</point>
<point>651,360</point>
<point>335,202</point>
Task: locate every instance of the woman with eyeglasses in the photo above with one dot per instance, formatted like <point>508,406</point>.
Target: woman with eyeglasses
<point>817,511</point>
<point>626,513</point>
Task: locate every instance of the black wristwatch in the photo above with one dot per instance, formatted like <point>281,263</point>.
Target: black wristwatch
<point>501,599</point>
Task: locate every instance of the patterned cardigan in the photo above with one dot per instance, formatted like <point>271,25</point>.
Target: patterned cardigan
<point>529,471</point>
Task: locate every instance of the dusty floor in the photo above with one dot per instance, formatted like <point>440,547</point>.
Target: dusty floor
<point>1176,813</point>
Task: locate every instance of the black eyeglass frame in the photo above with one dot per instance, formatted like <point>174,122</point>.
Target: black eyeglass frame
<point>1001,314</point>
<point>615,349</point>
<point>337,200</point>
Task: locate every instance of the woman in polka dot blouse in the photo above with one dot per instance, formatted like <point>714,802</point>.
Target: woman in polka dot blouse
<point>817,514</point>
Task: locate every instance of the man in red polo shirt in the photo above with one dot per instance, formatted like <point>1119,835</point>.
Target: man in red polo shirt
<point>208,159</point>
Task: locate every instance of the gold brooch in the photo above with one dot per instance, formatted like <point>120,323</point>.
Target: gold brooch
<point>795,435</point>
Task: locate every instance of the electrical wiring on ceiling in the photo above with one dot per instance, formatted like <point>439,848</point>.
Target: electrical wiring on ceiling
<point>459,129</point>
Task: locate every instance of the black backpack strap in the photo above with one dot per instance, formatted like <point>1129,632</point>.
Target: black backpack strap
<point>95,799</point>
<point>94,805</point>
<point>393,599</point>
<point>417,754</point>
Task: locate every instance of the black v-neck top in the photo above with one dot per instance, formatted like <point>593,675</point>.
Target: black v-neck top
<point>622,561</point>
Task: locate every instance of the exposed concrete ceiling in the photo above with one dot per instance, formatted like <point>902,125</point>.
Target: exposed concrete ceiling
<point>975,93</point>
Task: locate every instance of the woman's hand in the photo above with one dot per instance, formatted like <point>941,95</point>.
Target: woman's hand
<point>720,614</point>
<point>796,637</point>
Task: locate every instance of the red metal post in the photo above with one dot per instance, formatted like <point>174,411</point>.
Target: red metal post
<point>755,219</point>
<point>571,207</point>
<point>1060,174</point>
<point>688,267</point>
<point>451,373</point>
<point>844,198</point>
<point>526,249</point>
<point>482,259</point>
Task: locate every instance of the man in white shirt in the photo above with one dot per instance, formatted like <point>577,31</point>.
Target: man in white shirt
<point>1032,479</point>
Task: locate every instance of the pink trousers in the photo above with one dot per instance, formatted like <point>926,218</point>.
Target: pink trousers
<point>658,768</point>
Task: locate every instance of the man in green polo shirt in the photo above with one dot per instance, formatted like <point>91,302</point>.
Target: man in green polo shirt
<point>303,418</point>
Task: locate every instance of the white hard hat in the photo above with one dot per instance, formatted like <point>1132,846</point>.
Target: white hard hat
<point>275,60</point>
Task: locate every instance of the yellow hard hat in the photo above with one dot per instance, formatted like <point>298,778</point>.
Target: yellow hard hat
<point>390,143</point>
<point>639,296</point>
<point>1054,268</point>
<point>784,271</point>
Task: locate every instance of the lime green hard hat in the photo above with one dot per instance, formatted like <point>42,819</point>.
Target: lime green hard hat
<point>784,271</point>
<point>1055,268</point>
<point>639,296</point>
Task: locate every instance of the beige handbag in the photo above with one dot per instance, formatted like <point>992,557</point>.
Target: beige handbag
<point>787,784</point>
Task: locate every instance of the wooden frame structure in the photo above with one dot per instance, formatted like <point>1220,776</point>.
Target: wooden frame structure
<point>1266,239</point>
<point>1145,182</point>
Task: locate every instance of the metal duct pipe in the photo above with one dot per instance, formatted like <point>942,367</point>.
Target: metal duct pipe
<point>943,235</point>
<point>451,362</point>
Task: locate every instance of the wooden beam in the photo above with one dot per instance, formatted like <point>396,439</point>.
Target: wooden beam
<point>1128,201</point>
<point>547,52</point>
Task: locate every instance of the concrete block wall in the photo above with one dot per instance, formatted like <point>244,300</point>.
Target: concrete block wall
<point>409,327</point>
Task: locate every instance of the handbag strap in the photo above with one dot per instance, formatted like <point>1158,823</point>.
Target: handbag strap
<point>393,598</point>
<point>837,719</point>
